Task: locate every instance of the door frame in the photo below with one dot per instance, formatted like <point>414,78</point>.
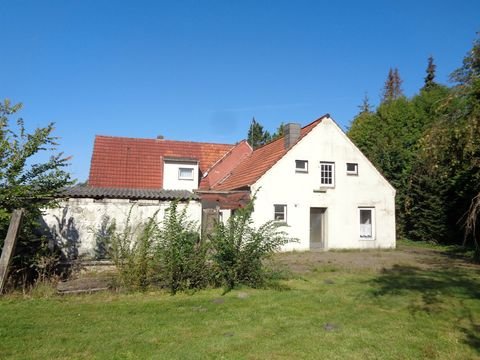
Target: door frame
<point>324,226</point>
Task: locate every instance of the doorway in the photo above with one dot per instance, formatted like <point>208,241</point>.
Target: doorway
<point>318,228</point>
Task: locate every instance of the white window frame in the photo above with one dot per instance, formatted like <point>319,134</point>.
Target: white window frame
<point>180,177</point>
<point>301,169</point>
<point>360,225</point>
<point>322,170</point>
<point>352,172</point>
<point>284,212</point>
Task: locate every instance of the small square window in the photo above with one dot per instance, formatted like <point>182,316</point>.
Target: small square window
<point>352,169</point>
<point>185,173</point>
<point>280,212</point>
<point>301,166</point>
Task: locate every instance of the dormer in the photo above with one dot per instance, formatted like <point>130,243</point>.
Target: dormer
<point>180,173</point>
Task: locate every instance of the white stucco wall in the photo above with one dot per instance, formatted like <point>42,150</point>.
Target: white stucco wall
<point>282,185</point>
<point>74,223</point>
<point>171,179</point>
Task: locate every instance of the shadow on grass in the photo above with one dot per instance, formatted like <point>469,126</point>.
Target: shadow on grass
<point>463,253</point>
<point>434,290</point>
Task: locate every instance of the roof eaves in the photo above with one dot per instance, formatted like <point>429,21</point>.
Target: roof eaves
<point>82,191</point>
<point>180,159</point>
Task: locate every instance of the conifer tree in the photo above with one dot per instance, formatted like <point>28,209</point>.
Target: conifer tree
<point>393,86</point>
<point>365,107</point>
<point>430,78</point>
<point>279,133</point>
<point>256,135</point>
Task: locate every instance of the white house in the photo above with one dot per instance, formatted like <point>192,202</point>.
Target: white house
<point>314,178</point>
<point>318,182</point>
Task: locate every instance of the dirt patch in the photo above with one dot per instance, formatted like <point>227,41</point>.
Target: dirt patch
<point>86,284</point>
<point>371,260</point>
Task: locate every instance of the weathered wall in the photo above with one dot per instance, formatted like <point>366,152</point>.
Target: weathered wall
<point>73,226</point>
<point>282,185</point>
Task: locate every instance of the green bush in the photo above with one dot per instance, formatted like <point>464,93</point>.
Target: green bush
<point>173,256</point>
<point>239,249</point>
<point>132,251</point>
<point>32,173</point>
<point>181,256</point>
<point>169,254</point>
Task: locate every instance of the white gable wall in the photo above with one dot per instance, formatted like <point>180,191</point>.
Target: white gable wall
<point>172,180</point>
<point>282,185</point>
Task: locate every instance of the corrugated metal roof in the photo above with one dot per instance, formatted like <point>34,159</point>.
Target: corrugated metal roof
<point>83,191</point>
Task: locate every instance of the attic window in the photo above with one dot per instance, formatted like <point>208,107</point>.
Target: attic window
<point>185,173</point>
<point>301,166</point>
<point>327,174</point>
<point>352,169</point>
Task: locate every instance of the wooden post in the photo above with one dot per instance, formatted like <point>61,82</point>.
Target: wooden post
<point>9,245</point>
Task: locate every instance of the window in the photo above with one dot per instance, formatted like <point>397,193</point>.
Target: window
<point>301,166</point>
<point>327,174</point>
<point>280,212</point>
<point>185,173</point>
<point>352,169</point>
<point>367,223</point>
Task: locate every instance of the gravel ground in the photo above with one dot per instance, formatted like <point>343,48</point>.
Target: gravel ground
<point>372,260</point>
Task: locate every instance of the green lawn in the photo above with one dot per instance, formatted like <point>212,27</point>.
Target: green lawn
<point>426,307</point>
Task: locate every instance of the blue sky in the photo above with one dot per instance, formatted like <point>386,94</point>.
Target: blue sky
<point>200,70</point>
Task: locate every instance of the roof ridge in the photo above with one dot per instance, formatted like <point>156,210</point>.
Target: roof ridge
<point>303,127</point>
<point>162,140</point>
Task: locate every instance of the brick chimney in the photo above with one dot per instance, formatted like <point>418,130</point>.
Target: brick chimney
<point>292,133</point>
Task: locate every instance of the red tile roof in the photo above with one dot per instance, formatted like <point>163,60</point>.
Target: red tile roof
<point>120,162</point>
<point>226,164</point>
<point>259,162</point>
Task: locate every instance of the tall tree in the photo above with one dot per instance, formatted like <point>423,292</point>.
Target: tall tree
<point>256,135</point>
<point>392,89</point>
<point>453,149</point>
<point>24,183</point>
<point>469,72</point>
<point>279,133</point>
<point>389,137</point>
<point>428,147</point>
<point>430,78</point>
<point>365,107</point>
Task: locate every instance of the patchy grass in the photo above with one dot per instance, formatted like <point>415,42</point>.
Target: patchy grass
<point>420,304</point>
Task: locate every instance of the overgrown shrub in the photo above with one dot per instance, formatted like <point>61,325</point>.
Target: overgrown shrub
<point>132,251</point>
<point>239,249</point>
<point>181,256</point>
<point>169,254</point>
<point>173,256</point>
